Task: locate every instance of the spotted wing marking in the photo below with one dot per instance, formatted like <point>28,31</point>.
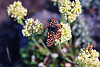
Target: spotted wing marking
<point>52,31</point>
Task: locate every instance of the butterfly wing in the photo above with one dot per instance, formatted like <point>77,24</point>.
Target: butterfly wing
<point>52,32</point>
<point>50,38</point>
<point>53,22</point>
<point>57,35</point>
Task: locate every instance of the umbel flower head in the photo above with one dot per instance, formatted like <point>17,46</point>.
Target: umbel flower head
<point>88,57</point>
<point>32,26</point>
<point>70,10</point>
<point>57,1</point>
<point>65,33</point>
<point>54,0</point>
<point>16,10</point>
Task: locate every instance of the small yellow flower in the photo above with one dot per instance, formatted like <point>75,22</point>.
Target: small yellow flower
<point>32,27</point>
<point>70,10</point>
<point>87,58</point>
<point>16,10</point>
<point>65,33</point>
<point>54,0</point>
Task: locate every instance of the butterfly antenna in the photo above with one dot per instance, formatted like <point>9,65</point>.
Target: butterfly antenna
<point>46,23</point>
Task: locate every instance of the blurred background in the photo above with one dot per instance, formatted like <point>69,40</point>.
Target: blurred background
<point>19,51</point>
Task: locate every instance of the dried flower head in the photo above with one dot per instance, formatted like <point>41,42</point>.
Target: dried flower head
<point>54,55</point>
<point>65,33</point>
<point>32,27</point>
<point>33,58</point>
<point>70,10</point>
<point>89,47</point>
<point>16,10</point>
<point>41,64</point>
<point>88,57</point>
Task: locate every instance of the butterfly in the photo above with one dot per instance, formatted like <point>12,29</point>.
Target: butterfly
<point>53,32</point>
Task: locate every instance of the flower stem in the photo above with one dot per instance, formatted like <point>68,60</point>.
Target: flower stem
<point>64,55</point>
<point>45,46</point>
<point>20,22</point>
<point>8,54</point>
<point>36,42</point>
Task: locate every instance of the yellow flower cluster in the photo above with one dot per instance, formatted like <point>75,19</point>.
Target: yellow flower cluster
<point>16,10</point>
<point>54,0</point>
<point>65,33</point>
<point>32,27</point>
<point>57,1</point>
<point>70,10</point>
<point>87,58</point>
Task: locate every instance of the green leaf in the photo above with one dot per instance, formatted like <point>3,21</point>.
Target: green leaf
<point>69,54</point>
<point>63,19</point>
<point>25,61</point>
<point>51,65</point>
<point>54,65</point>
<point>43,51</point>
<point>30,37</point>
<point>22,50</point>
<point>20,22</point>
<point>55,3</point>
<point>31,43</point>
<point>71,50</point>
<point>23,18</point>
<point>24,55</point>
<point>19,66</point>
<point>45,33</point>
<point>55,43</point>
<point>15,19</point>
<point>62,65</point>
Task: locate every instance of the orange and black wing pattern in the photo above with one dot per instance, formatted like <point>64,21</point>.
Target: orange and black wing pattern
<point>53,32</point>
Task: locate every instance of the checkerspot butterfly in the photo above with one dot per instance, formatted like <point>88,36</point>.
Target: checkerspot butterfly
<point>53,32</point>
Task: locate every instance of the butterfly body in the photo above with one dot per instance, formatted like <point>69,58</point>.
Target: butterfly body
<point>53,32</point>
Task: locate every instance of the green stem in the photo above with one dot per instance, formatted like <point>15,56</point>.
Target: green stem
<point>36,42</point>
<point>8,54</point>
<point>71,41</point>
<point>20,22</point>
<point>45,46</point>
<point>64,55</point>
